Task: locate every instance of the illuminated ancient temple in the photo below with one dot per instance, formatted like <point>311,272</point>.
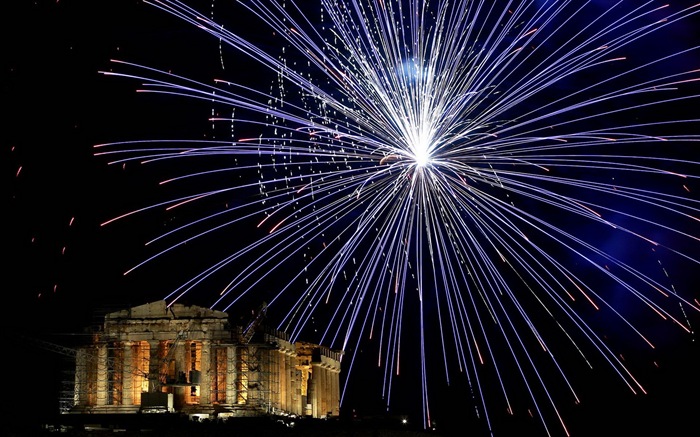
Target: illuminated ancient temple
<point>191,360</point>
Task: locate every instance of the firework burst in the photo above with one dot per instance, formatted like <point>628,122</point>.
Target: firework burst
<point>474,181</point>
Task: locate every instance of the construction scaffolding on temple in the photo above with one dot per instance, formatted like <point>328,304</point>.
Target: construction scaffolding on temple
<point>156,358</point>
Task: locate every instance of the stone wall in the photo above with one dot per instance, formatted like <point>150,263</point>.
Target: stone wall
<point>188,359</point>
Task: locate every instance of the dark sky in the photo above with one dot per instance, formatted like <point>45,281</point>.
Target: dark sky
<point>63,269</point>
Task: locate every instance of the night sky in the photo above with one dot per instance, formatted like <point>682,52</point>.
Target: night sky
<point>63,270</point>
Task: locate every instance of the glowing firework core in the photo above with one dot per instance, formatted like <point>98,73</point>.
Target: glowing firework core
<point>422,158</point>
<point>421,155</point>
<point>420,152</point>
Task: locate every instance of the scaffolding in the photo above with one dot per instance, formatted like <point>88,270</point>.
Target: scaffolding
<point>98,378</point>
<point>141,363</point>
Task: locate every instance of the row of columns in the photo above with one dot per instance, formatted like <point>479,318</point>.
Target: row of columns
<point>324,391</point>
<point>277,372</point>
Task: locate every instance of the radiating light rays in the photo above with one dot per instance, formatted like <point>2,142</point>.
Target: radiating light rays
<point>446,177</point>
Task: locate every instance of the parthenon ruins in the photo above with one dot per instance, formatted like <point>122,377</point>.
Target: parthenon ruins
<point>191,360</point>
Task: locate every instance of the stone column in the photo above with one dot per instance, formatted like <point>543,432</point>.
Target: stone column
<point>102,374</point>
<point>295,387</point>
<point>289,372</point>
<point>206,374</point>
<point>312,390</point>
<point>80,391</point>
<point>282,401</point>
<point>179,355</point>
<point>323,392</point>
<point>335,393</point>
<point>230,375</point>
<point>128,375</point>
<point>153,366</point>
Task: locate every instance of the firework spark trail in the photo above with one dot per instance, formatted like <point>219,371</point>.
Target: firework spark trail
<point>432,150</point>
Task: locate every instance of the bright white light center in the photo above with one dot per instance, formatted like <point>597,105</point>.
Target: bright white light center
<point>422,157</point>
<point>421,152</point>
